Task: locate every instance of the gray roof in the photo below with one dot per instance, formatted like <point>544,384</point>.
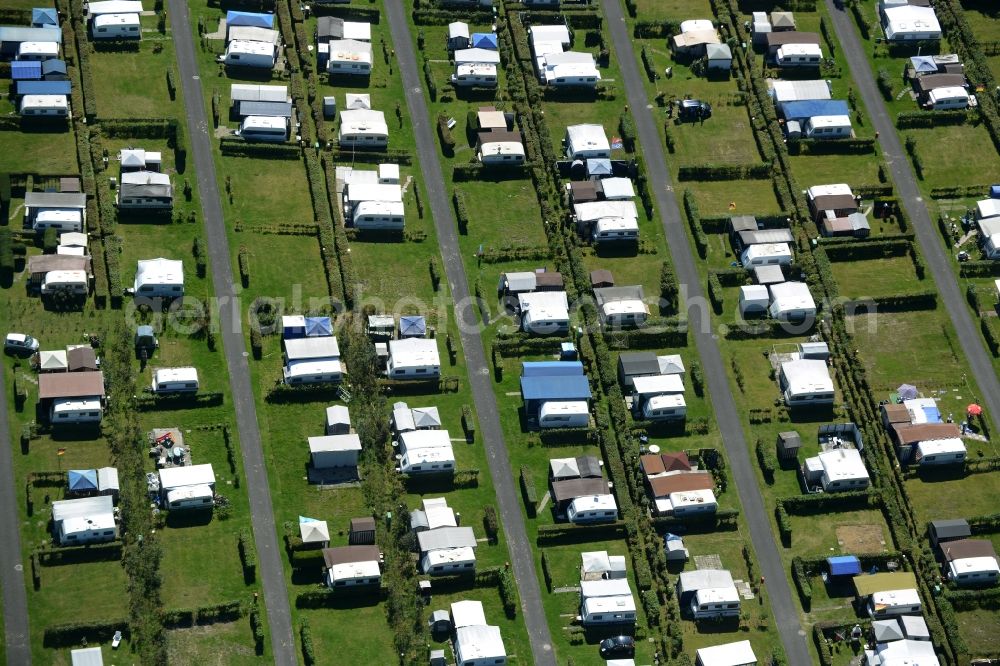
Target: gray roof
<point>589,466</point>
<point>146,190</point>
<point>949,529</point>
<point>55,200</point>
<point>765,236</point>
<point>78,508</point>
<point>768,274</point>
<point>329,27</point>
<point>887,630</point>
<point>18,34</point>
<point>426,417</point>
<point>743,223</point>
<point>277,109</point>
<point>638,363</point>
<point>612,294</point>
<point>701,579</point>
<point>718,52</point>
<point>446,537</point>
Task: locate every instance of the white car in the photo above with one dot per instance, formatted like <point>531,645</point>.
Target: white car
<point>20,343</point>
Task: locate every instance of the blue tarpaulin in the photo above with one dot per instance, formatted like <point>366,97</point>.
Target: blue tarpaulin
<point>815,107</point>
<point>251,19</point>
<point>555,388</point>
<point>41,16</point>
<point>551,368</point>
<point>43,88</point>
<point>82,480</point>
<point>484,40</point>
<point>994,191</point>
<point>25,71</point>
<point>318,327</point>
<point>412,326</point>
<point>53,66</point>
<point>844,565</point>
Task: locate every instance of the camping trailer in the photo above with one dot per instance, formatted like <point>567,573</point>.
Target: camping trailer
<point>592,509</point>
<point>76,410</point>
<point>951,97</point>
<point>60,220</point>
<point>242,53</point>
<point>175,380</point>
<point>116,26</point>
<point>264,128</point>
<point>828,127</point>
<point>564,414</point>
<point>45,105</point>
<point>72,282</point>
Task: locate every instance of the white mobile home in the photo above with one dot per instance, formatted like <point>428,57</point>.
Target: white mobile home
<point>754,300</point>
<point>607,610</point>
<point>716,602</point>
<point>799,55</point>
<point>621,306</point>
<point>426,452</point>
<point>44,105</point>
<point>414,358</point>
<point>564,414</point>
<point>665,408</point>
<point>313,371</point>
<point>974,571</point>
<point>692,502</point>
<point>159,278</point>
<point>264,128</point>
<point>592,509</point>
<point>894,602</point>
<point>475,75</point>
<point>332,451</point>
<point>447,550</point>
<point>952,97</point>
<point>363,128</point>
<point>766,254</point>
<point>253,33</point>
<point>241,53</point>
<point>500,152</point>
<point>116,26</point>
<point>175,380</point>
<point>569,69</point>
<point>37,51</point>
<point>828,127</point>
<point>910,23</point>
<point>586,141</point>
<point>739,653</point>
<point>145,189</point>
<point>66,282</point>
<point>86,520</point>
<point>839,469</point>
<point>350,566</point>
<point>76,410</point>
<point>608,229</point>
<point>791,301</point>
<point>60,220</point>
<point>806,382</point>
<point>190,487</point>
<point>479,645</point>
<point>646,387</point>
<point>544,312</point>
<point>349,56</point>
<point>379,215</point>
<point>950,451</point>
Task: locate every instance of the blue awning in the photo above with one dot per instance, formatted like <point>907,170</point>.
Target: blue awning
<point>251,19</point>
<point>25,70</point>
<point>318,327</point>
<point>806,109</point>
<point>43,88</point>
<point>844,565</point>
<point>551,368</point>
<point>82,480</point>
<point>484,40</point>
<point>555,388</point>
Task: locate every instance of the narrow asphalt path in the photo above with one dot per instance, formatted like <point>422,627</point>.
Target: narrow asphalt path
<point>261,510</point>
<point>931,245</point>
<point>479,375</point>
<point>786,616</point>
<point>15,596</point>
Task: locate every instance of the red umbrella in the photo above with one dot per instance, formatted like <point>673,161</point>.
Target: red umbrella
<point>974,410</point>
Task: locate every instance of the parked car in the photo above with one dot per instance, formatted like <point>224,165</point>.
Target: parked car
<point>20,343</point>
<point>694,109</point>
<point>618,646</point>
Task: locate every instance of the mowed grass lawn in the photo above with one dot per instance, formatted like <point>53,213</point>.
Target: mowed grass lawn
<point>134,85</point>
<point>812,170</point>
<point>749,196</point>
<point>267,192</point>
<point>42,152</point>
<point>502,212</point>
<point>357,633</point>
<point>949,497</point>
<point>876,277</point>
<point>943,168</point>
<point>673,9</point>
<point>726,138</point>
<point>979,630</point>
<point>813,535</point>
<point>220,644</point>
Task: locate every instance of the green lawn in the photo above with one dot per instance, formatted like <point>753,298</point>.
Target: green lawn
<point>134,85</point>
<point>812,170</point>
<point>951,497</point>
<point>283,182</point>
<point>749,196</point>
<point>49,152</point>
<point>220,644</point>
<point>876,277</point>
<point>979,629</point>
<point>944,168</point>
<point>812,537</point>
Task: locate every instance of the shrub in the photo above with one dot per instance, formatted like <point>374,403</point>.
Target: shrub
<point>305,634</point>
<point>200,256</point>
<point>528,491</point>
<point>256,343</point>
<point>431,84</point>
<point>668,287</point>
<point>248,556</point>
<point>172,88</point>
<point>767,460</point>
<point>444,133</point>
<point>6,251</point>
<point>461,211</point>
<point>257,627</point>
<point>508,593</point>
<point>491,524</point>
<point>715,292</point>
<point>468,423</point>
<point>626,125</point>
<point>50,240</point>
<point>697,379</point>
<point>244,261</point>
<point>884,81</point>
<point>435,273</point>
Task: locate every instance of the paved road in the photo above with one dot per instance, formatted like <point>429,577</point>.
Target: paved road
<point>15,599</point>
<point>928,237</point>
<point>261,511</point>
<point>786,617</point>
<point>479,376</point>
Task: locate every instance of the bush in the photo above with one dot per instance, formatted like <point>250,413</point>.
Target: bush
<point>694,222</point>
<point>172,88</point>
<point>884,81</point>
<point>461,211</point>
<point>248,557</point>
<point>257,627</point>
<point>244,261</point>
<point>508,593</point>
<point>767,460</point>
<point>200,256</point>
<point>668,287</point>
<point>74,633</point>
<point>528,492</point>
<point>435,273</point>
<point>431,84</point>
<point>444,133</point>
<point>724,171</point>
<point>468,423</point>
<point>491,524</point>
<point>627,128</point>
<point>305,635</point>
<point>256,342</point>
<point>6,251</point>
<point>697,379</point>
<point>715,292</point>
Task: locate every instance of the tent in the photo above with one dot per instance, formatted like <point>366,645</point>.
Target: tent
<point>887,630</point>
<point>317,327</point>
<point>598,166</point>
<point>82,480</point>
<point>924,64</point>
<point>426,417</point>
<point>252,19</point>
<point>52,361</point>
<point>484,40</point>
<point>412,326</point>
<point>313,531</point>
<point>844,565</point>
<point>907,392</point>
<point>42,16</point>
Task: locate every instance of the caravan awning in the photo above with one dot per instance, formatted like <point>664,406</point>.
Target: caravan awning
<point>867,585</point>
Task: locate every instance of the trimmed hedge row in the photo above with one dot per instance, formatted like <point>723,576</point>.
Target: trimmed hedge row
<point>567,533</point>
<point>528,492</point>
<point>928,119</point>
<point>236,147</point>
<point>75,633</point>
<point>694,223</point>
<point>724,172</point>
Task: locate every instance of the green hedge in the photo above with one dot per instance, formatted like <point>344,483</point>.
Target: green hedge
<point>528,492</point>
<point>694,223</point>
<point>859,146</point>
<point>508,593</point>
<point>566,533</point>
<point>74,633</point>
<point>931,119</point>
<point>767,459</point>
<point>724,172</point>
<point>975,269</point>
<point>248,556</point>
<point>236,147</point>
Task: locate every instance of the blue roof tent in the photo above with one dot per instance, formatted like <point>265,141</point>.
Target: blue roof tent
<point>994,191</point>
<point>599,167</point>
<point>251,19</point>
<point>53,66</point>
<point>551,368</point>
<point>82,480</point>
<point>43,88</point>
<point>42,16</point>
<point>844,565</point>
<point>817,107</point>
<point>25,71</point>
<point>484,40</point>
<point>412,326</point>
<point>538,390</point>
<point>924,64</point>
<point>318,327</point>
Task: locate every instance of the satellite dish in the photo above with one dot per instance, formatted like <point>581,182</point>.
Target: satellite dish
<point>654,448</point>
